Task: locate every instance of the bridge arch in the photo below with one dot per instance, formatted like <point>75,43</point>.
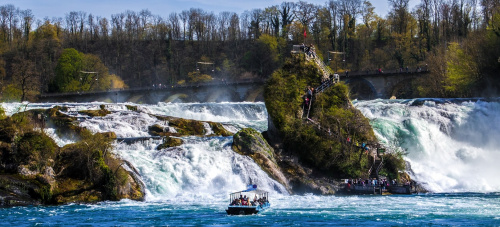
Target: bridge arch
<point>177,97</point>
<point>360,88</point>
<point>403,88</point>
<point>223,95</point>
<point>256,94</point>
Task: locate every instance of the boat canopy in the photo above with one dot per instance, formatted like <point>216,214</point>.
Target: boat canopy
<point>251,189</point>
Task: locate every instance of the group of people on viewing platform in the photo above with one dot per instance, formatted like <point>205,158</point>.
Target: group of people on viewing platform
<point>309,50</point>
<point>245,201</point>
<point>383,183</point>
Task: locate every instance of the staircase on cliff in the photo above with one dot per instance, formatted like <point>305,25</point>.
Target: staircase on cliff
<point>376,166</point>
<point>329,78</point>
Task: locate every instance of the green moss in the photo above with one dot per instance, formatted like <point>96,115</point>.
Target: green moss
<point>96,113</point>
<point>2,113</point>
<point>323,148</point>
<point>170,142</point>
<point>187,127</point>
<point>219,130</point>
<point>131,108</point>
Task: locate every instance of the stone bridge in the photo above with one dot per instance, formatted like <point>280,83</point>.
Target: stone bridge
<point>371,85</point>
<point>249,90</point>
<point>363,85</point>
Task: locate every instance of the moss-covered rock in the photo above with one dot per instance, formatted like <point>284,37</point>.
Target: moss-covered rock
<point>170,142</point>
<point>131,108</point>
<point>156,130</point>
<point>109,135</point>
<point>317,138</point>
<point>34,170</point>
<point>219,129</point>
<point>187,127</point>
<point>96,113</point>
<point>250,142</point>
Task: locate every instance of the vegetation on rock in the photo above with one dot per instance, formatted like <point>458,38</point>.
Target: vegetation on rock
<point>320,142</point>
<point>170,142</point>
<point>131,108</point>
<point>34,170</point>
<point>96,113</point>
<point>251,143</point>
<point>187,127</point>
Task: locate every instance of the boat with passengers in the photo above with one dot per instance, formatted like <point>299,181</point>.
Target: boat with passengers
<point>249,201</point>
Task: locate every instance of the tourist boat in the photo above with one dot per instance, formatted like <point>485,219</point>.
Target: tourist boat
<point>249,201</point>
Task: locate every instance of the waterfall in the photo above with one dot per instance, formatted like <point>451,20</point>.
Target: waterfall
<point>452,145</point>
<point>203,167</point>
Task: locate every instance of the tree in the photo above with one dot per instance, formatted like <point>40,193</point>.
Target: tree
<point>25,81</point>
<point>399,15</point>
<point>76,71</point>
<point>67,70</point>
<point>462,71</point>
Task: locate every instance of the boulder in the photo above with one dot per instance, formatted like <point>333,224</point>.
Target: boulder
<point>250,142</point>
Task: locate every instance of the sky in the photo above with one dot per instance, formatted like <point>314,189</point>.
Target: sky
<point>105,8</point>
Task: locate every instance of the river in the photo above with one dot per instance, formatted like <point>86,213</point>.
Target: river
<point>451,145</point>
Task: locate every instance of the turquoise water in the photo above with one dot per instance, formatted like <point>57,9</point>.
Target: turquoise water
<point>463,209</point>
<point>452,148</point>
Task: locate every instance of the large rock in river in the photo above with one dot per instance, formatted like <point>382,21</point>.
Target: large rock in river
<point>250,142</point>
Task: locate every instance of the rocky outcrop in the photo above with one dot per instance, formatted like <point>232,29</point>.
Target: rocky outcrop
<point>251,143</point>
<point>320,143</point>
<point>35,171</point>
<point>96,113</point>
<point>170,142</point>
<point>303,180</point>
<point>186,127</point>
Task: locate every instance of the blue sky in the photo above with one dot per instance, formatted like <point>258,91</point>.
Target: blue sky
<point>105,8</point>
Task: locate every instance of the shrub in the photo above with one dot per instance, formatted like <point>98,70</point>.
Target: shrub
<point>36,149</point>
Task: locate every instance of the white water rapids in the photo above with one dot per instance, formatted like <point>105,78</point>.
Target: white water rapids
<point>451,146</point>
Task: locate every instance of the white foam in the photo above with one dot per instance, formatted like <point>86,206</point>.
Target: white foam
<point>452,147</point>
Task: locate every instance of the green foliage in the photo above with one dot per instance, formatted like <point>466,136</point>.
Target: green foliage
<point>324,148</point>
<point>286,86</point>
<point>67,71</point>
<point>264,57</point>
<point>45,193</point>
<point>462,71</point>
<point>11,94</point>
<point>35,149</point>
<point>76,71</point>
<point>197,77</point>
<point>8,130</point>
<point>2,113</point>
<point>393,164</point>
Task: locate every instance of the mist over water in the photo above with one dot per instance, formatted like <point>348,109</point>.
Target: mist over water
<point>451,145</point>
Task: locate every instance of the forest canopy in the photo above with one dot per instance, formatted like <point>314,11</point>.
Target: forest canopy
<point>139,49</point>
